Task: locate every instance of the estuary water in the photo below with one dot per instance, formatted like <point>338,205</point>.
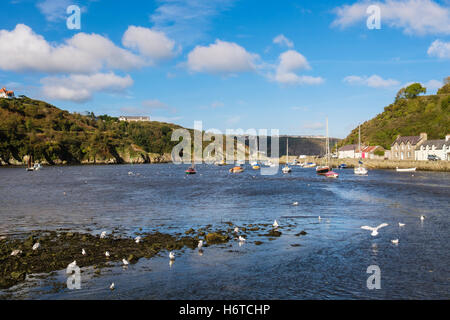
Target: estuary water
<point>329,262</point>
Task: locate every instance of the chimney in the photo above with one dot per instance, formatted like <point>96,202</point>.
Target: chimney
<point>423,136</point>
<point>447,138</point>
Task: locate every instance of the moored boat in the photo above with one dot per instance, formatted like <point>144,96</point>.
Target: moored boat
<point>332,174</point>
<point>191,170</point>
<point>322,170</point>
<point>405,170</point>
<point>236,169</point>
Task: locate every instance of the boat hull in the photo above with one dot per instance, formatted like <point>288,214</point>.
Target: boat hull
<point>322,170</point>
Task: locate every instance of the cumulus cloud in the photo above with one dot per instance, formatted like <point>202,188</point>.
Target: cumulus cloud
<point>283,41</point>
<point>221,57</point>
<point>80,88</point>
<point>290,62</point>
<point>150,43</point>
<point>373,81</point>
<point>439,49</point>
<point>23,50</point>
<point>413,16</point>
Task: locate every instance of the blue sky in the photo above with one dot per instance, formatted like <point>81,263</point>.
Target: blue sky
<point>232,64</point>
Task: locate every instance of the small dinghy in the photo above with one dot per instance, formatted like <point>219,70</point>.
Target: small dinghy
<point>237,169</point>
<point>191,170</point>
<point>405,170</point>
<point>332,174</point>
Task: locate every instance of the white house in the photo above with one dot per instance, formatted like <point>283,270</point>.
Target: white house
<point>6,94</point>
<point>439,148</point>
<point>348,151</point>
<point>134,119</point>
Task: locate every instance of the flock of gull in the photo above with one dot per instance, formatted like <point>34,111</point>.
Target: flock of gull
<point>240,238</point>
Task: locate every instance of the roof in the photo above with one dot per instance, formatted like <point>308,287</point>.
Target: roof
<point>437,143</point>
<point>369,149</point>
<point>413,140</point>
<point>348,147</point>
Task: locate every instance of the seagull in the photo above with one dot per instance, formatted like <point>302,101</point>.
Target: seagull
<point>36,246</point>
<point>72,265</point>
<point>112,286</point>
<point>401,224</point>
<point>16,252</point>
<point>236,230</point>
<point>320,218</point>
<point>107,254</point>
<point>125,262</point>
<point>241,239</point>
<point>394,241</point>
<point>200,244</point>
<point>422,218</point>
<point>295,203</point>
<point>374,230</point>
<point>103,235</point>
<point>171,255</point>
<point>275,224</point>
<point>137,239</point>
<point>83,252</point>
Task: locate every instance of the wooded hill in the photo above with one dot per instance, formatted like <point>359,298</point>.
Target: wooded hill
<point>409,115</point>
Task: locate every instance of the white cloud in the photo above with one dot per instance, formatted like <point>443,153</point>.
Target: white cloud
<point>221,57</point>
<point>413,16</point>
<point>282,40</point>
<point>150,43</point>
<point>187,21</point>
<point>290,62</point>
<point>23,50</point>
<point>373,81</point>
<point>80,88</point>
<point>53,10</point>
<point>439,49</point>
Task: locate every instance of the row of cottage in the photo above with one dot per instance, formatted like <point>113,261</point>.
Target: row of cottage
<point>403,148</point>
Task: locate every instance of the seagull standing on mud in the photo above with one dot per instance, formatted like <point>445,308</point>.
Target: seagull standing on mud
<point>236,230</point>
<point>241,239</point>
<point>107,254</point>
<point>16,252</point>
<point>374,229</point>
<point>36,246</point>
<point>200,245</point>
<point>171,256</point>
<point>103,235</point>
<point>125,262</point>
<point>137,239</point>
<point>83,252</point>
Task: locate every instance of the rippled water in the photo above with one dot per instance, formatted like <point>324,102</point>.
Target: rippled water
<point>331,262</point>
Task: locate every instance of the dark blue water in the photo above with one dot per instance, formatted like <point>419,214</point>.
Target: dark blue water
<point>330,263</point>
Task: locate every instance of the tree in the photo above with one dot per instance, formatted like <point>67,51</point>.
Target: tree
<point>411,91</point>
<point>446,88</point>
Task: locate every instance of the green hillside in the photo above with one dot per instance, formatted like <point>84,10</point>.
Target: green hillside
<point>54,136</point>
<point>409,115</point>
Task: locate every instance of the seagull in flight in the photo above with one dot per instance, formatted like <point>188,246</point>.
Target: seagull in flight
<point>374,229</point>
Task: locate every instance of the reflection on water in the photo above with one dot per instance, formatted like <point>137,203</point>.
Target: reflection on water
<point>329,262</point>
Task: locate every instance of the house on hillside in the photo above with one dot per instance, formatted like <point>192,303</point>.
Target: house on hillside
<point>134,119</point>
<point>348,151</point>
<point>404,148</point>
<point>6,94</point>
<point>438,148</point>
<point>370,152</point>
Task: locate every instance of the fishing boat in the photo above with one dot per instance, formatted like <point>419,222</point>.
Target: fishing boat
<point>286,168</point>
<point>360,170</point>
<point>237,169</point>
<point>343,166</point>
<point>406,170</point>
<point>191,170</point>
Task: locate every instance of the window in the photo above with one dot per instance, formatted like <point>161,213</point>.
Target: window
<point>409,154</point>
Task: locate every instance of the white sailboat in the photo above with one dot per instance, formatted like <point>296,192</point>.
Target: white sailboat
<point>360,171</point>
<point>286,168</point>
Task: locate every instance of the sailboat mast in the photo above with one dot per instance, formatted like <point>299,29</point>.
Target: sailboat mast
<point>328,145</point>
<point>359,135</point>
<point>287,151</point>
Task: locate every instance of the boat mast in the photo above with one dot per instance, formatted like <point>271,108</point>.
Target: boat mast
<point>287,151</point>
<point>328,145</point>
<point>359,135</point>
